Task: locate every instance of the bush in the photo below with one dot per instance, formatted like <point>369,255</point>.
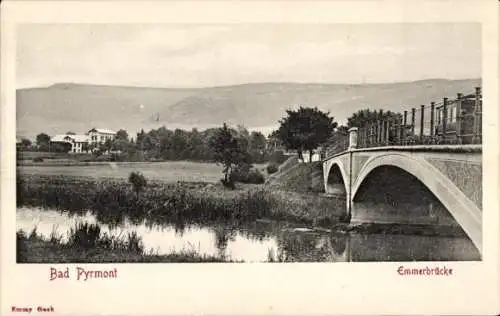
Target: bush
<point>138,181</point>
<point>272,168</point>
<point>255,176</point>
<point>247,174</point>
<point>278,157</point>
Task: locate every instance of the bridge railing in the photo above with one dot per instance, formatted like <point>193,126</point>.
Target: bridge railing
<point>452,121</point>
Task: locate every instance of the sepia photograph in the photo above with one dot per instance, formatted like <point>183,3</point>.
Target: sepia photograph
<point>248,143</point>
<point>249,157</point>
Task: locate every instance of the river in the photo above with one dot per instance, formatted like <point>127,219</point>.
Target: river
<point>265,241</point>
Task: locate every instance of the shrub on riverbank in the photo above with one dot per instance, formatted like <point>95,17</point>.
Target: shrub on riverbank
<point>247,174</point>
<point>138,181</point>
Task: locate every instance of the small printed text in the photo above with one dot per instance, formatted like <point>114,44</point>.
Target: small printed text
<point>443,270</point>
<point>40,309</point>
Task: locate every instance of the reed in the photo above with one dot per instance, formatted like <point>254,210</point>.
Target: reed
<point>111,201</point>
<point>34,248</point>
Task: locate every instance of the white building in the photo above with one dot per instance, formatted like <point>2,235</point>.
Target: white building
<point>84,143</point>
<point>100,135</point>
<point>77,142</point>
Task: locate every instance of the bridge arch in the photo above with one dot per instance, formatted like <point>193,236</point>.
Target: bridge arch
<point>336,178</point>
<point>464,211</point>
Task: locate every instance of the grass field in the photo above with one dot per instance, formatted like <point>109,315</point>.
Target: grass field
<point>170,171</point>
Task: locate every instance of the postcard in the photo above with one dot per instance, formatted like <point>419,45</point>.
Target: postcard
<point>244,158</point>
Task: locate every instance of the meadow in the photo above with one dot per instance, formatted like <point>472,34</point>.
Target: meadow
<point>169,171</point>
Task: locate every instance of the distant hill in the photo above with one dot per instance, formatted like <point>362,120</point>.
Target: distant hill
<point>78,107</point>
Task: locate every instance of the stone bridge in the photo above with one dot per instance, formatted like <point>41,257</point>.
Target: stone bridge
<point>419,184</point>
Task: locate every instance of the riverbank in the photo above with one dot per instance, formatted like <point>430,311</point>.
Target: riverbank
<point>33,248</point>
<point>113,200</point>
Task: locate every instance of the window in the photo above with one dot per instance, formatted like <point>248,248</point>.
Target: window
<point>453,114</point>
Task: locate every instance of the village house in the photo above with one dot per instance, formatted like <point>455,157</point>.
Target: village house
<point>100,135</point>
<point>84,142</point>
<point>78,142</point>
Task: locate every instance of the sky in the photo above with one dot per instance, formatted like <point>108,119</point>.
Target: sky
<point>196,55</point>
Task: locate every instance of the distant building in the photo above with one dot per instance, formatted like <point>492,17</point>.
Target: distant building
<point>84,143</point>
<point>78,142</point>
<point>100,135</point>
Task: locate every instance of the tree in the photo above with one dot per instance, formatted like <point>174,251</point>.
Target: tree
<point>195,145</point>
<point>121,135</point>
<point>257,146</point>
<point>179,143</point>
<point>274,141</point>
<point>139,141</point>
<point>120,145</point>
<point>60,147</point>
<point>43,141</point>
<point>70,133</point>
<point>229,151</point>
<point>257,141</point>
<point>85,147</point>
<point>305,129</point>
<point>342,129</point>
<point>365,117</point>
<point>25,143</point>
<point>106,146</point>
<point>138,182</point>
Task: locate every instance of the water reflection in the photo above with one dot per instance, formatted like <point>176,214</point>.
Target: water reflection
<point>264,241</point>
<point>293,247</point>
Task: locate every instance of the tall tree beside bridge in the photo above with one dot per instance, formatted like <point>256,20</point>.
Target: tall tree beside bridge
<point>364,117</point>
<point>306,129</point>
